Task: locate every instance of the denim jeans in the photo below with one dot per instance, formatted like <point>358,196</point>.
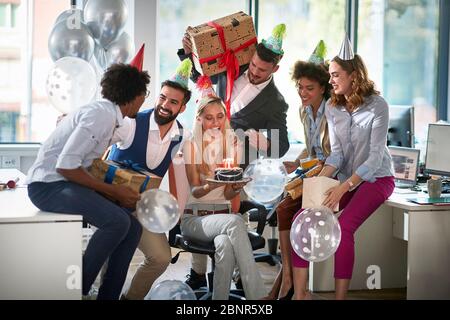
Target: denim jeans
<point>115,240</point>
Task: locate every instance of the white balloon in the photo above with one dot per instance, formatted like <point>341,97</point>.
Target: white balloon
<point>157,211</point>
<point>171,290</point>
<point>315,237</point>
<point>71,83</point>
<point>268,178</point>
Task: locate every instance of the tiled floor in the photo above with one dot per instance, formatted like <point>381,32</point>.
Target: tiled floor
<point>180,269</point>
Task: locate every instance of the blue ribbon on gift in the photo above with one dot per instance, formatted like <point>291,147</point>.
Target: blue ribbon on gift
<point>127,164</point>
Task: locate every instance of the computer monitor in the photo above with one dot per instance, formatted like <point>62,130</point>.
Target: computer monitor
<point>401,126</point>
<point>406,165</point>
<point>437,159</point>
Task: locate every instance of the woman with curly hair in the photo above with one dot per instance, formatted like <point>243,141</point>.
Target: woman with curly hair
<point>311,80</point>
<point>358,120</point>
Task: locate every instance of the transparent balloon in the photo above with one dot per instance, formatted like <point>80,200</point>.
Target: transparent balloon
<point>157,211</point>
<point>105,19</point>
<point>268,177</point>
<point>67,40</point>
<point>171,290</point>
<point>315,234</point>
<point>71,83</point>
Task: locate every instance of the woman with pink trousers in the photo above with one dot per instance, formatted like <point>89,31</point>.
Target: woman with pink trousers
<point>358,120</point>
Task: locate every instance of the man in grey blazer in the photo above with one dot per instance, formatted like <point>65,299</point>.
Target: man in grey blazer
<point>258,109</point>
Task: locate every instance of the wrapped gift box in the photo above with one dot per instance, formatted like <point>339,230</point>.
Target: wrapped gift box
<point>295,187</point>
<point>116,173</point>
<point>238,30</point>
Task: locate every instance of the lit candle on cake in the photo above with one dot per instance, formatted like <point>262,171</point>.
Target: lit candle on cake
<point>227,163</point>
<point>228,171</point>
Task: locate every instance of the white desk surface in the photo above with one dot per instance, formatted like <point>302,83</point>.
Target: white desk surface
<point>398,200</point>
<point>11,174</point>
<point>16,207</point>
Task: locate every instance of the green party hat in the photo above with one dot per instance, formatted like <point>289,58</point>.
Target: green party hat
<point>275,41</point>
<point>318,56</point>
<point>183,73</point>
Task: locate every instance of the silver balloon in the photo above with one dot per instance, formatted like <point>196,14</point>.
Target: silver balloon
<point>106,19</point>
<point>171,290</point>
<point>71,83</point>
<point>120,50</point>
<point>157,211</point>
<point>66,42</point>
<point>74,16</point>
<point>100,56</point>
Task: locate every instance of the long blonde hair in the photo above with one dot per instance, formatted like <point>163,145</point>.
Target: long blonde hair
<point>200,144</point>
<point>362,86</point>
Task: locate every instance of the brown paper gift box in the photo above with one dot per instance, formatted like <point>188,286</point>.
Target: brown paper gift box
<point>127,177</point>
<point>295,187</point>
<point>238,29</point>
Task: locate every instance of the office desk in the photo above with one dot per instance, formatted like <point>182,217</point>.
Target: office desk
<point>410,244</point>
<point>40,252</point>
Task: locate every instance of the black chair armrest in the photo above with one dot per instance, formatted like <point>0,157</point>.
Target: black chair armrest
<point>257,212</point>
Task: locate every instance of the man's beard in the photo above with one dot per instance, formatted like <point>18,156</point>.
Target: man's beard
<point>164,120</point>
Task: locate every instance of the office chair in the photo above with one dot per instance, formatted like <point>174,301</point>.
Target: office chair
<point>271,257</point>
<point>177,240</point>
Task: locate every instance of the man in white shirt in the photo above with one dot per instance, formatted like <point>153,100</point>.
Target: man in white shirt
<point>59,182</point>
<point>151,141</point>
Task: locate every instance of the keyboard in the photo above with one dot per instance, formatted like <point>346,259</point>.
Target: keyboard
<point>404,190</point>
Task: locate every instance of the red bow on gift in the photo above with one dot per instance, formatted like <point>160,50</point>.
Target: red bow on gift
<point>228,60</point>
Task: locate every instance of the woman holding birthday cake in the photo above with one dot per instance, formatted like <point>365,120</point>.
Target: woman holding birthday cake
<point>212,156</point>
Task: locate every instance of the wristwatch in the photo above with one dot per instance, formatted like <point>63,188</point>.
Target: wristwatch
<point>350,183</point>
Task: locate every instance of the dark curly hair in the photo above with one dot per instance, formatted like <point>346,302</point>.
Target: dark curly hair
<point>122,83</point>
<point>362,86</point>
<point>314,72</point>
<point>267,55</point>
<point>176,85</point>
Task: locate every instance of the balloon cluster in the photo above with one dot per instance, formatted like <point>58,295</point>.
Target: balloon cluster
<point>80,37</point>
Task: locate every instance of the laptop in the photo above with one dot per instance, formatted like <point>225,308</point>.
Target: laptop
<point>406,166</point>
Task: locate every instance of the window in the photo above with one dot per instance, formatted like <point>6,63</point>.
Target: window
<point>307,22</point>
<point>174,18</point>
<point>25,114</point>
<point>398,40</point>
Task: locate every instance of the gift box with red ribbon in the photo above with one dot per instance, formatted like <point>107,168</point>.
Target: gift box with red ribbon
<point>223,43</point>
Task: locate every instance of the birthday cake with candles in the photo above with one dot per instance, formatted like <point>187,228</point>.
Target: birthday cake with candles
<point>227,172</point>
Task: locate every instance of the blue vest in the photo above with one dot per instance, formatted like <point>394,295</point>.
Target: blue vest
<point>137,152</point>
